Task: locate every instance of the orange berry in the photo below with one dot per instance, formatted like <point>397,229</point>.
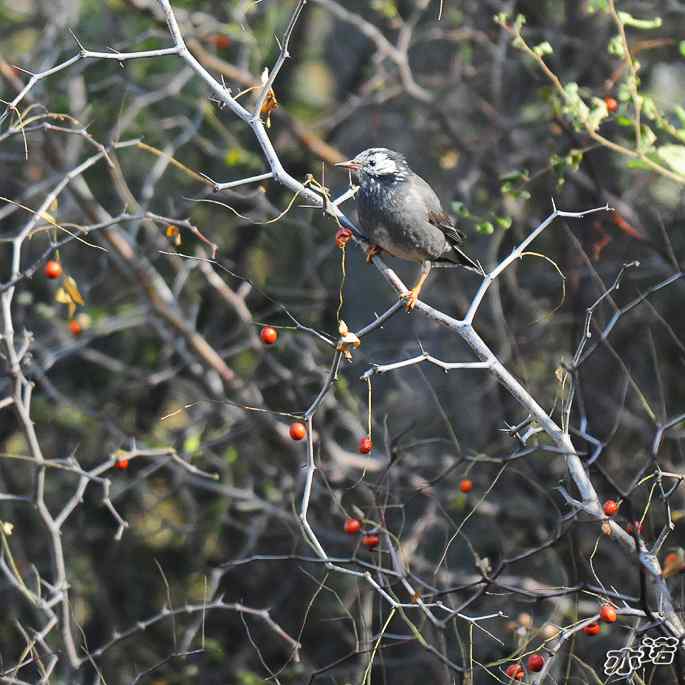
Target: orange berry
<point>515,671</point>
<point>610,507</point>
<point>342,236</point>
<point>371,541</point>
<point>607,613</point>
<point>268,335</point>
<point>365,445</point>
<point>535,662</point>
<point>75,328</point>
<point>611,103</point>
<point>592,629</point>
<point>466,485</point>
<point>121,464</point>
<point>352,526</point>
<point>297,430</point>
<point>52,269</point>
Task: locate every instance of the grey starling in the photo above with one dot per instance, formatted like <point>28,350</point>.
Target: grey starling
<point>401,214</point>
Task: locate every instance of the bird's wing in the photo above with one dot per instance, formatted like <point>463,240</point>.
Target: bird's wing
<point>446,225</point>
<point>436,214</point>
<point>440,219</point>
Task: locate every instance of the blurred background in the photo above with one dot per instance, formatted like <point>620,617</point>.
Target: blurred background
<point>478,118</point>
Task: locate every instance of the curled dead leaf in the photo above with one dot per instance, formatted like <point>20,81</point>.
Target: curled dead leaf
<point>348,341</point>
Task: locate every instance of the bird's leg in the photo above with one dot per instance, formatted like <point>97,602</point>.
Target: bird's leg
<point>413,295</point>
<point>372,251</point>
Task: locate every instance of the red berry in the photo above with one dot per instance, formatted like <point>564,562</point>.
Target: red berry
<point>52,269</point>
<point>610,507</point>
<point>121,464</point>
<point>515,671</point>
<point>297,430</point>
<point>611,103</point>
<point>535,662</point>
<point>592,629</point>
<point>342,237</point>
<point>466,485</point>
<point>607,613</point>
<point>352,526</point>
<point>370,541</point>
<point>268,335</point>
<point>75,328</point>
<point>636,525</point>
<point>219,40</point>
<point>365,445</point>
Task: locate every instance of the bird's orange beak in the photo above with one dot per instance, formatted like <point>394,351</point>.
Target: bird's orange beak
<point>350,165</point>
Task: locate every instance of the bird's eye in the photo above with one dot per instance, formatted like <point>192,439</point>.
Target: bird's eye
<point>372,162</point>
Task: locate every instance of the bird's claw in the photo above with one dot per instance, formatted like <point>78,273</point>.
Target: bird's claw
<point>411,298</point>
<point>371,252</point>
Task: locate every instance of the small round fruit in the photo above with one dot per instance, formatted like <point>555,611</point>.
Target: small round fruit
<point>592,629</point>
<point>268,335</point>
<point>611,103</point>
<point>515,671</point>
<point>610,507</point>
<point>466,485</point>
<point>342,237</point>
<point>536,662</point>
<point>607,613</point>
<point>365,445</point>
<point>220,41</point>
<point>636,525</point>
<point>75,328</point>
<point>121,464</point>
<point>52,269</point>
<point>371,541</point>
<point>352,526</point>
<point>297,430</point>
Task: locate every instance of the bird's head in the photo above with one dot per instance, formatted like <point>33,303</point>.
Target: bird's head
<point>377,164</point>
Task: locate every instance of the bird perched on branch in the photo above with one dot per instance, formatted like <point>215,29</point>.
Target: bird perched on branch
<point>402,215</point>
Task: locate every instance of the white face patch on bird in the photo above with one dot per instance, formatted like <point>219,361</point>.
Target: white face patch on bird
<point>378,163</point>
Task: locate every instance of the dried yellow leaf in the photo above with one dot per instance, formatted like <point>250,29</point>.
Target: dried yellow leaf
<point>71,288</point>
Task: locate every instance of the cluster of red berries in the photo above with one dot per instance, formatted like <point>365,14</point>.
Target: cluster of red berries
<point>610,508</point>
<point>607,613</point>
<point>353,526</point>
<point>298,431</point>
<point>535,664</point>
<point>53,270</point>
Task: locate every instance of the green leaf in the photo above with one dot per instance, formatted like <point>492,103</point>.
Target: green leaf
<point>647,138</point>
<point>638,164</point>
<point>598,113</point>
<point>615,47</point>
<point>460,209</point>
<point>574,107</point>
<point>680,113</point>
<point>597,6</point>
<point>503,222</point>
<point>515,176</point>
<point>543,49</point>
<point>485,227</point>
<point>681,47</point>
<point>643,24</point>
<point>649,108</point>
<point>674,156</point>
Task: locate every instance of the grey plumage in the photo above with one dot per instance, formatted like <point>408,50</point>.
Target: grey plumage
<point>401,214</point>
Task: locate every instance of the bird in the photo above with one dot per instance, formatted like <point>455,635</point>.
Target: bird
<point>402,215</point>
